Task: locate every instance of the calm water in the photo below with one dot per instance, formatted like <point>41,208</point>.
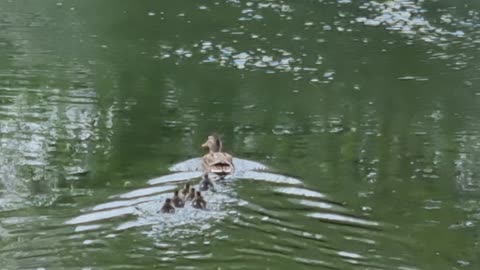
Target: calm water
<point>369,109</point>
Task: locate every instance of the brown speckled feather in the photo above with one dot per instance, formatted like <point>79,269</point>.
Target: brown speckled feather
<point>218,162</point>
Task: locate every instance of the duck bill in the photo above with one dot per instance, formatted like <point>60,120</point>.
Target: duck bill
<point>205,145</point>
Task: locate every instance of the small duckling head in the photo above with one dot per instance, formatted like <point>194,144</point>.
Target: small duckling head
<point>205,178</point>
<point>168,201</point>
<point>198,194</point>
<point>186,189</point>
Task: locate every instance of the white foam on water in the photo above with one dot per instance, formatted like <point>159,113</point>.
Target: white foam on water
<point>176,177</point>
<point>146,191</point>
<point>268,177</point>
<point>300,192</point>
<point>343,219</point>
<point>101,215</point>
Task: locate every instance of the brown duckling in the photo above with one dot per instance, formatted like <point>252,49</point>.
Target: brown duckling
<point>199,202</point>
<point>191,194</point>
<point>168,207</point>
<point>206,183</point>
<point>216,161</point>
<point>176,200</point>
<point>184,192</point>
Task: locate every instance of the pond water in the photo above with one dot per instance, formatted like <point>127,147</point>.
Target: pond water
<point>366,114</point>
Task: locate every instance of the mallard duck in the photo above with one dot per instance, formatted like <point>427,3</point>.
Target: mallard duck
<point>191,195</point>
<point>216,161</point>
<point>176,200</point>
<point>167,207</point>
<point>206,183</point>
<point>199,202</point>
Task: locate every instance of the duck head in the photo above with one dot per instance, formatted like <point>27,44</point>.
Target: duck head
<point>213,143</point>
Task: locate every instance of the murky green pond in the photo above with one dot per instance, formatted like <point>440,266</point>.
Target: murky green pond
<point>367,115</point>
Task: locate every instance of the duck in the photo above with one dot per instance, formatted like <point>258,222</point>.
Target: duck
<point>167,207</point>
<point>206,183</point>
<point>199,202</point>
<point>184,191</point>
<point>191,195</point>
<point>216,161</point>
<point>176,200</point>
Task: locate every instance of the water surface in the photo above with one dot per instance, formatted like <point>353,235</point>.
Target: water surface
<point>366,112</point>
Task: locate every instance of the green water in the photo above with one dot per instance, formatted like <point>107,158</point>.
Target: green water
<point>373,109</point>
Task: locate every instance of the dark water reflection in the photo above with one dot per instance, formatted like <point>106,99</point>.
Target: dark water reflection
<point>365,112</point>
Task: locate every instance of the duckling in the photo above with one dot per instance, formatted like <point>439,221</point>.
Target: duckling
<point>167,207</point>
<point>184,192</point>
<point>191,194</point>
<point>199,202</point>
<point>206,183</point>
<point>216,161</point>
<point>176,200</point>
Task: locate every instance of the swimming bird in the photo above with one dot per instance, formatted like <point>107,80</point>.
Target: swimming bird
<point>199,202</point>
<point>191,195</point>
<point>216,161</point>
<point>167,207</point>
<point>184,191</point>
<point>176,200</point>
<point>206,183</point>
